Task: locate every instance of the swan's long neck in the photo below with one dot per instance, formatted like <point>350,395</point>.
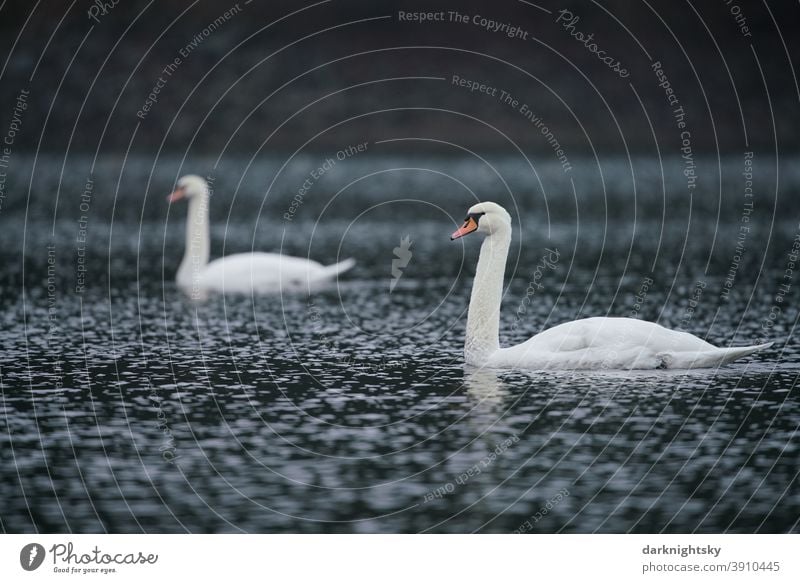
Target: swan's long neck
<point>483,320</point>
<point>198,245</point>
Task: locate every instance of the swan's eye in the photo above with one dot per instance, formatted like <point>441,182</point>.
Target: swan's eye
<point>474,216</point>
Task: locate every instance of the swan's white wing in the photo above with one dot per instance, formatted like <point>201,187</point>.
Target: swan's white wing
<point>605,343</point>
<point>260,272</point>
<point>616,332</point>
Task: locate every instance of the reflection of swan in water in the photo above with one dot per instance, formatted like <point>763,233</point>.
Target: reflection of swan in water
<point>485,388</point>
<point>483,469</point>
<point>591,343</point>
<point>490,402</point>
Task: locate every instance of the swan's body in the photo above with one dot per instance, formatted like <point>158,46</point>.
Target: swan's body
<point>615,343</point>
<point>592,343</point>
<point>266,272</point>
<point>241,272</point>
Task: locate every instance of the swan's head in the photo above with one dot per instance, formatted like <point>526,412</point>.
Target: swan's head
<point>484,217</point>
<point>189,186</point>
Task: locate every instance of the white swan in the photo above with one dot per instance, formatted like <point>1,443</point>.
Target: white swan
<point>242,272</point>
<point>592,343</point>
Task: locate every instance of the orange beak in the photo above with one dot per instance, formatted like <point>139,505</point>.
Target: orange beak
<point>177,194</point>
<point>469,225</point>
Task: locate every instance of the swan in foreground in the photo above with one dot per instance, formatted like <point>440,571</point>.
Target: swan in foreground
<point>592,343</point>
<point>242,272</point>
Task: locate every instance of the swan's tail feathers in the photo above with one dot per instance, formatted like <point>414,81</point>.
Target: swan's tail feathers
<point>709,358</point>
<point>731,354</point>
<point>332,271</point>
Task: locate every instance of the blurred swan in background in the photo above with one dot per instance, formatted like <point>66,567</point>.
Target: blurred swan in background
<point>242,272</point>
<point>592,343</point>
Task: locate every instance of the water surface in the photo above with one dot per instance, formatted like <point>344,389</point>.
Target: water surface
<point>127,408</point>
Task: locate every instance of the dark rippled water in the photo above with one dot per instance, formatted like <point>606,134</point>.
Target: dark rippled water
<point>128,408</point>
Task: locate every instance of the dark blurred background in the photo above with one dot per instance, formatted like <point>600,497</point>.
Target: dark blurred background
<point>88,77</point>
<point>263,92</point>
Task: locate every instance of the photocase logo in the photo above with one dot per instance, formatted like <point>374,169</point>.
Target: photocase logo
<point>31,556</point>
<point>402,255</point>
